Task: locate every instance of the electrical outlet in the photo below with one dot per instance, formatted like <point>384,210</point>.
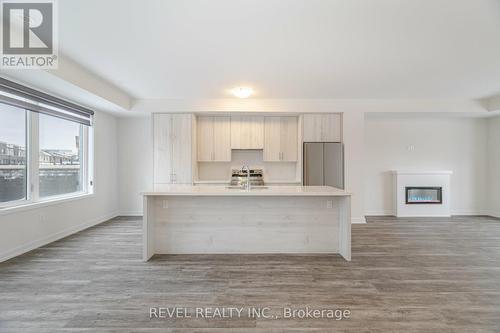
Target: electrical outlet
<point>165,204</point>
<point>329,204</point>
<point>42,218</point>
<point>410,147</point>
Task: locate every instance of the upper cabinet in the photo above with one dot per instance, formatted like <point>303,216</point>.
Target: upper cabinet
<point>172,148</point>
<point>214,139</point>
<point>280,139</point>
<point>322,127</point>
<point>247,132</point>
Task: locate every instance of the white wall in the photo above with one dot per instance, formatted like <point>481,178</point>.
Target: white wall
<point>461,147</point>
<point>494,165</point>
<point>29,229</point>
<point>135,161</point>
<point>353,111</point>
<point>354,160</point>
<point>308,105</point>
<point>440,143</point>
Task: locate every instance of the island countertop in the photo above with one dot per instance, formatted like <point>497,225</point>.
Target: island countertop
<point>200,190</point>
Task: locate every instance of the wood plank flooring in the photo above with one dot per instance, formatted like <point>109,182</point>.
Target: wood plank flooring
<point>406,275</point>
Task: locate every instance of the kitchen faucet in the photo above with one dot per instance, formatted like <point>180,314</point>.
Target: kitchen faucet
<point>247,169</point>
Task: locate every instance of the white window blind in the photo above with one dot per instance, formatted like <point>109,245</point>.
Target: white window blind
<point>18,95</point>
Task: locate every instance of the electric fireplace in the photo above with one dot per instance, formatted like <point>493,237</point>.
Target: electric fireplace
<point>423,195</point>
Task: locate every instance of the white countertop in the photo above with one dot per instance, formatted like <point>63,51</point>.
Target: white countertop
<point>422,172</point>
<point>200,190</point>
<point>227,182</point>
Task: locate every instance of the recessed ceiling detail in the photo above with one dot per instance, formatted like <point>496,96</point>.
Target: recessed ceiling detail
<point>289,48</point>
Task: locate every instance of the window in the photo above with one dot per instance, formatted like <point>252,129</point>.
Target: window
<point>13,176</point>
<point>59,156</point>
<point>44,146</point>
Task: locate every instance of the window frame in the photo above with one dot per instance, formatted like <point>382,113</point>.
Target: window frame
<point>27,138</point>
<point>81,179</point>
<point>32,185</point>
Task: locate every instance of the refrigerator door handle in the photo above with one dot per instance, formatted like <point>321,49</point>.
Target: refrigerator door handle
<point>304,166</point>
<point>324,164</point>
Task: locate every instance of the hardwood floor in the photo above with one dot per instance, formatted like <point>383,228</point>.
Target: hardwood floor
<point>406,275</point>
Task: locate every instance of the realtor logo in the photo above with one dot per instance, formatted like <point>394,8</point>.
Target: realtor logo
<point>29,34</point>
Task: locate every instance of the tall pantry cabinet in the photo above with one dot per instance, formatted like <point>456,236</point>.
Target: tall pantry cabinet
<point>172,148</point>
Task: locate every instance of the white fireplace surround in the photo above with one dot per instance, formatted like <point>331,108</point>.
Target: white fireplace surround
<point>407,178</point>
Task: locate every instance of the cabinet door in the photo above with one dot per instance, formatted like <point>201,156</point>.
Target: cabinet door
<point>324,127</point>
<point>331,129</point>
<point>272,139</point>
<point>312,128</point>
<point>162,148</point>
<point>221,139</point>
<point>288,139</point>
<point>247,132</point>
<point>181,148</point>
<point>236,128</point>
<point>205,138</point>
<point>256,132</point>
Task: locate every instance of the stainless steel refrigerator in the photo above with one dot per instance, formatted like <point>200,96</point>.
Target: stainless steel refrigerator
<point>323,164</point>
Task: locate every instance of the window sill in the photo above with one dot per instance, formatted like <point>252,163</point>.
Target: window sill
<point>44,203</point>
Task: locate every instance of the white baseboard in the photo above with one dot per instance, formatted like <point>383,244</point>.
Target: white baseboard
<point>468,213</point>
<point>130,213</point>
<point>465,213</point>
<point>493,214</point>
<point>358,220</point>
<point>380,213</point>
<point>52,238</point>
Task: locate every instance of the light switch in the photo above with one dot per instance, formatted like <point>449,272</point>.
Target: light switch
<point>329,204</point>
<point>165,204</point>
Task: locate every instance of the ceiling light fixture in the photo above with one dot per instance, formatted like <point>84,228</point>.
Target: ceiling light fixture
<point>242,92</point>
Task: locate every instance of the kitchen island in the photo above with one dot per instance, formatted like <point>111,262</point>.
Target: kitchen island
<point>220,219</point>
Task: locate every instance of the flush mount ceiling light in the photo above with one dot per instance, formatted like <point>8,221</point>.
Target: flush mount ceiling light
<point>242,92</point>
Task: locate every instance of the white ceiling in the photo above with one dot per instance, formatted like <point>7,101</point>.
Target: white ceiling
<point>288,48</point>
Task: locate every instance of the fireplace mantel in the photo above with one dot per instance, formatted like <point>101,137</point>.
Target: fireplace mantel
<point>429,179</point>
